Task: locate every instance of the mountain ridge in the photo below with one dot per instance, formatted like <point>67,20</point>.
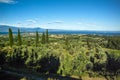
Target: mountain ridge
<point>4,28</point>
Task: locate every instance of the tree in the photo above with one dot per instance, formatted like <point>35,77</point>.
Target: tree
<point>43,38</point>
<point>88,44</point>
<point>46,37</point>
<point>37,39</point>
<point>67,43</point>
<point>19,38</point>
<point>10,37</point>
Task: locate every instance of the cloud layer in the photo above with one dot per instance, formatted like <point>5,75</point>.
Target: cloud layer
<point>8,1</point>
<point>58,22</point>
<point>32,21</point>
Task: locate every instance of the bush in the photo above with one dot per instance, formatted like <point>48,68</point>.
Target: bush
<point>48,64</point>
<point>2,57</point>
<point>113,62</point>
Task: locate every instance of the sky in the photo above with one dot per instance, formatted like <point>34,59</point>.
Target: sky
<point>62,14</point>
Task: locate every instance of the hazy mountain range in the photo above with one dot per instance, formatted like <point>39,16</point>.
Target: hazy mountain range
<point>4,28</point>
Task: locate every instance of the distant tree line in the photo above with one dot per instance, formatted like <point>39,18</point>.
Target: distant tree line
<point>112,42</point>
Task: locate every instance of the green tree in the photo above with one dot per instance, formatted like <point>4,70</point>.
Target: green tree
<point>10,37</point>
<point>43,38</point>
<point>46,37</point>
<point>19,38</point>
<point>37,39</point>
<point>67,43</point>
<point>88,43</point>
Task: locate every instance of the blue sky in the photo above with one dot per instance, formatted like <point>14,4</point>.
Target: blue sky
<point>62,14</point>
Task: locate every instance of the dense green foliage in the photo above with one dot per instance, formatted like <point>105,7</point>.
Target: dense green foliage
<point>113,43</point>
<point>43,38</point>
<point>67,55</point>
<point>10,37</point>
<point>37,38</point>
<point>19,38</point>
<point>46,38</point>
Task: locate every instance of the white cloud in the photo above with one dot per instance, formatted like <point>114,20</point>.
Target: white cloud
<point>92,24</point>
<point>58,22</point>
<point>8,1</point>
<point>18,24</point>
<point>88,24</point>
<point>32,21</point>
<point>4,24</point>
<point>36,19</point>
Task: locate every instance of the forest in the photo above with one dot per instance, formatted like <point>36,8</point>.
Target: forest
<point>28,56</point>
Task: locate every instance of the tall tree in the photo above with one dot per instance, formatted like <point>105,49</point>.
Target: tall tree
<point>43,38</point>
<point>37,39</point>
<point>46,37</point>
<point>10,37</point>
<point>19,38</point>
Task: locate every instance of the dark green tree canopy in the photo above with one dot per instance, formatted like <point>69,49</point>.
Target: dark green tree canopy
<point>37,38</point>
<point>43,38</point>
<point>47,39</point>
<point>19,38</point>
<point>10,37</point>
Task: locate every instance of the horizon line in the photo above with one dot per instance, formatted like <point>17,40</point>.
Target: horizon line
<point>59,29</point>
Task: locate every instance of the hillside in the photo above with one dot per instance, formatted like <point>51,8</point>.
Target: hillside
<point>61,57</point>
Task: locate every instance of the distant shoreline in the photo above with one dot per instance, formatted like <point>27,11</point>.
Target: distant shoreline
<point>107,33</point>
